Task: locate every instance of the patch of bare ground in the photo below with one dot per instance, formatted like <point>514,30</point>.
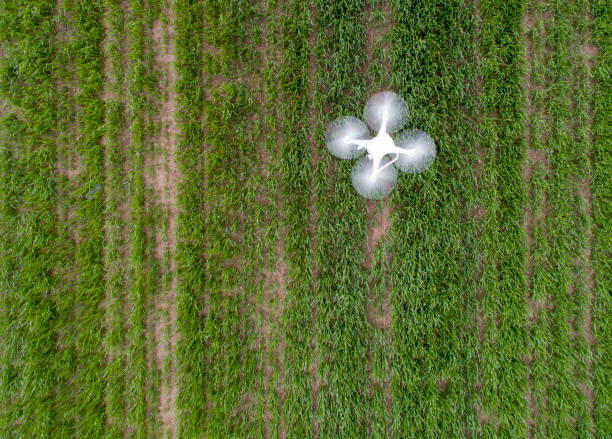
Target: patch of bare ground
<point>378,313</point>
<point>533,16</point>
<point>377,228</point>
<point>164,184</point>
<point>274,275</point>
<point>274,285</point>
<point>479,213</point>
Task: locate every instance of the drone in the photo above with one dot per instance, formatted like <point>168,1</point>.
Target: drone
<point>374,176</point>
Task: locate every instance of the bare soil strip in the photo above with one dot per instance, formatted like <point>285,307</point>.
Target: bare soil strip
<point>165,185</point>
<point>273,279</point>
<point>379,225</point>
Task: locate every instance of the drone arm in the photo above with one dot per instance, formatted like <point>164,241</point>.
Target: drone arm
<point>383,125</point>
<point>390,163</point>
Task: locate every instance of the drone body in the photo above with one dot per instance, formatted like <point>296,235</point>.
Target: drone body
<point>412,151</point>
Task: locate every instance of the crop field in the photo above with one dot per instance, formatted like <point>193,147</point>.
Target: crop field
<point>181,257</point>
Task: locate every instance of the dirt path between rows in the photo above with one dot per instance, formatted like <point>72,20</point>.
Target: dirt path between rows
<point>529,21</point>
<point>479,215</point>
<point>165,185</point>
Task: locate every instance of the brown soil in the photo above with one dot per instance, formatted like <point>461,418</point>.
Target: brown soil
<point>376,230</point>
<point>442,385</point>
<point>164,184</point>
<point>274,280</point>
<point>590,53</point>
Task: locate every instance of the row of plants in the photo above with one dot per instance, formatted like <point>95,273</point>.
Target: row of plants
<point>90,217</point>
<point>293,173</point>
<point>567,406</point>
<point>602,216</point>
<point>115,223</point>
<point>503,282</point>
<point>340,223</point>
<point>28,228</point>
<point>190,350</point>
<point>433,241</point>
<point>379,289</point>
<point>143,290</point>
<point>540,337</point>
<point>233,287</point>
<point>271,236</point>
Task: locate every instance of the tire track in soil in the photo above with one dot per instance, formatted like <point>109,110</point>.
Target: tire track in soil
<point>535,171</point>
<point>532,156</point>
<point>274,271</point>
<point>116,206</point>
<point>165,186</point>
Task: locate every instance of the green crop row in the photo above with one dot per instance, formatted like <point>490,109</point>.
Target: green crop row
<point>434,330</point>
<point>190,352</point>
<point>503,282</point>
<point>115,197</point>
<point>268,216</point>
<point>293,174</point>
<point>138,269</point>
<point>340,282</point>
<point>28,228</point>
<point>602,214</point>
<point>231,185</point>
<point>539,288</point>
<point>568,407</point>
<point>68,197</point>
<point>90,355</point>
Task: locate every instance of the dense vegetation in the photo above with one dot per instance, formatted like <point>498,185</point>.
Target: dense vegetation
<point>181,257</point>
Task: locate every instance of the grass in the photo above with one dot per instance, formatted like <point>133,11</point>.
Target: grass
<point>191,402</point>
<point>434,332</point>
<point>115,197</point>
<point>602,214</point>
<point>90,357</point>
<point>500,327</point>
<point>340,282</point>
<point>539,337</point>
<point>231,166</point>
<point>293,176</point>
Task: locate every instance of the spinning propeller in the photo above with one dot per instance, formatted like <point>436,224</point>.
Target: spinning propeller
<point>374,176</point>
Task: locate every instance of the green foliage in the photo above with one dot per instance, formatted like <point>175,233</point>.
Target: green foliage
<point>293,174</point>
<point>434,333</point>
<point>190,348</point>
<point>503,240</point>
<point>256,184</point>
<point>90,357</point>
<point>28,221</point>
<point>114,254</point>
<point>602,215</point>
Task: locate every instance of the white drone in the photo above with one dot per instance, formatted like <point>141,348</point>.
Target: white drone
<point>374,176</point>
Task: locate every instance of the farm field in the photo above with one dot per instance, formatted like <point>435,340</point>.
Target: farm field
<point>181,257</point>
